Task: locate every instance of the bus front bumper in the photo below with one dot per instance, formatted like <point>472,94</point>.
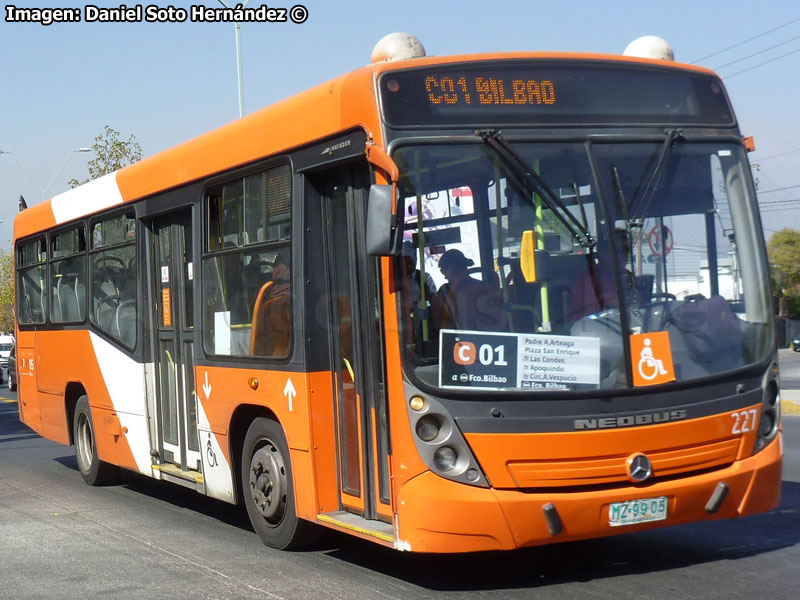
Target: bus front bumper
<point>439,515</point>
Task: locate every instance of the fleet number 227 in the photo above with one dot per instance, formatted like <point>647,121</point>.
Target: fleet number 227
<point>744,421</point>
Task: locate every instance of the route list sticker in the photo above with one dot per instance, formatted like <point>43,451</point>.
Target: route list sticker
<point>490,361</point>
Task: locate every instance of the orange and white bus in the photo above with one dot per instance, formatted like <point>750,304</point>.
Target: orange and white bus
<point>445,304</point>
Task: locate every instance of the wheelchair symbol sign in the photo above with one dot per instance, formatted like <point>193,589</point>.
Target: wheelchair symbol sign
<point>651,356</point>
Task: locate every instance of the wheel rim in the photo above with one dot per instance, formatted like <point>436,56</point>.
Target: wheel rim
<point>84,443</point>
<point>268,483</point>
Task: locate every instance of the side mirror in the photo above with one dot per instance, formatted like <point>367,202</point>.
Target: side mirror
<point>382,235</point>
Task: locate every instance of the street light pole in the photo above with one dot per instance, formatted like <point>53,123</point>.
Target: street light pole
<point>238,56</point>
<point>21,166</point>
<point>63,164</point>
<point>44,189</point>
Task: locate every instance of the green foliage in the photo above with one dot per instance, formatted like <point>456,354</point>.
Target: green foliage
<point>111,154</point>
<point>6,291</point>
<point>783,250</point>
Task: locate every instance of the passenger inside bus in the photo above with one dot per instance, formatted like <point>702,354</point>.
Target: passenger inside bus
<point>421,309</point>
<point>467,303</point>
<point>270,334</point>
<point>414,277</point>
<point>281,275</point>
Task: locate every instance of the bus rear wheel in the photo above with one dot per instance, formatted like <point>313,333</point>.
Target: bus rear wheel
<point>93,470</point>
<point>268,488</point>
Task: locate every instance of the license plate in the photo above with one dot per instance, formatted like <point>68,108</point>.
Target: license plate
<point>637,511</point>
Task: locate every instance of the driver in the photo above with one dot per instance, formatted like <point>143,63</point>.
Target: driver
<point>468,304</point>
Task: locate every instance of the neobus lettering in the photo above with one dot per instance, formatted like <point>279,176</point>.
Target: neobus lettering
<point>630,420</point>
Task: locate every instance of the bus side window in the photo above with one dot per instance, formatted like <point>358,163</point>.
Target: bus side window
<point>112,280</point>
<point>31,276</point>
<point>247,286</point>
<point>68,276</point>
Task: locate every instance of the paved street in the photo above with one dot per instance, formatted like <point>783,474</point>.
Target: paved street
<point>61,539</point>
<point>789,363</point>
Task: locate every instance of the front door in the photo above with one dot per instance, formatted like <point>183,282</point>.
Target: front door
<point>176,400</point>
<point>356,347</point>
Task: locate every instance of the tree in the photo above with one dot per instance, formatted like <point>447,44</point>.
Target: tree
<point>111,154</point>
<point>6,291</point>
<point>783,250</point>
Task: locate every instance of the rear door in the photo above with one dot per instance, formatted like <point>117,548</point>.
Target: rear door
<point>176,399</point>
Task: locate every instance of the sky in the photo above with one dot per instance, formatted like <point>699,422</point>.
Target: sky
<point>169,82</point>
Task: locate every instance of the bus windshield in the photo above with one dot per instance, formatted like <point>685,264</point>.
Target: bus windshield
<point>574,266</point>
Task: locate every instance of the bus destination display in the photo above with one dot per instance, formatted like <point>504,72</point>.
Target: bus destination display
<point>549,92</point>
<point>488,90</point>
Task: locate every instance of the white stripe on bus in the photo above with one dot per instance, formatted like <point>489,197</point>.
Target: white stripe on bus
<point>98,194</point>
<point>125,382</point>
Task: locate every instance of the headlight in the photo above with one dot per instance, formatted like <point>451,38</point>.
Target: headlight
<point>428,428</point>
<point>445,459</point>
<point>770,409</point>
<point>440,443</point>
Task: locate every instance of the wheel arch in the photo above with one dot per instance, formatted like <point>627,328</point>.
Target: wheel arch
<point>72,393</point>
<point>241,419</point>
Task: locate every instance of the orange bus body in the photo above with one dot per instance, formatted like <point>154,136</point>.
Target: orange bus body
<point>579,472</point>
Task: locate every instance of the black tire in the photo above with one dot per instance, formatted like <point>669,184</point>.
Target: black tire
<point>268,488</point>
<point>93,470</point>
<point>12,384</point>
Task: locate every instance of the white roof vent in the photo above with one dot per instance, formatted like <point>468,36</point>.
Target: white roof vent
<point>650,46</point>
<point>397,46</point>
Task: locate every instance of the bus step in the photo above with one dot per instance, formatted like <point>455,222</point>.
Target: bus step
<point>351,523</point>
<point>174,474</point>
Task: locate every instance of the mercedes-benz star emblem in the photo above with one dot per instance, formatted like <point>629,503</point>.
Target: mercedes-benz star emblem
<point>639,467</point>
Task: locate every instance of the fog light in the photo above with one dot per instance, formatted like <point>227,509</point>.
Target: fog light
<point>445,458</point>
<point>427,428</point>
<point>472,474</point>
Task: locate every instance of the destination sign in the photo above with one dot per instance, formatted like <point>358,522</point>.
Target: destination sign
<point>488,90</point>
<point>552,92</point>
<point>491,361</point>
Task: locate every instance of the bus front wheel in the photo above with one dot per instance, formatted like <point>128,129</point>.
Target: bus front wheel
<point>93,470</point>
<point>268,487</point>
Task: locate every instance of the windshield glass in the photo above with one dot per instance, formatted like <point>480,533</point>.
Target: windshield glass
<point>602,267</point>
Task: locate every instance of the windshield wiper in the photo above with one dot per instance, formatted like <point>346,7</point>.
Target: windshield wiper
<point>529,178</point>
<point>630,225</point>
<point>639,209</point>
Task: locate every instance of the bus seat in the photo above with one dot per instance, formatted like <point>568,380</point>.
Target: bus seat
<point>33,298</point>
<point>125,318</point>
<point>80,298</point>
<point>67,297</point>
<point>105,314</point>
<point>271,331</point>
<point>57,312</point>
<point>257,327</point>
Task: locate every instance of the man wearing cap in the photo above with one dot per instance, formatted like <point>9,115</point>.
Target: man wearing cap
<point>468,303</point>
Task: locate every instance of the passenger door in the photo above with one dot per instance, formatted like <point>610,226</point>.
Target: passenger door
<point>173,266</point>
<point>356,347</point>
